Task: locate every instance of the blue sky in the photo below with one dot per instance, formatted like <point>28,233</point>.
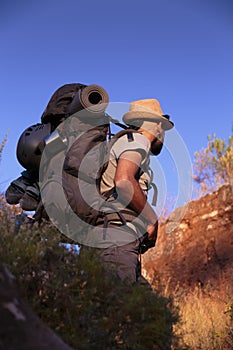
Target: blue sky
<point>177,51</point>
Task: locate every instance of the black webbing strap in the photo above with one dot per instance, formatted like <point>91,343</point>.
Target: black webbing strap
<point>116,122</point>
<point>130,136</point>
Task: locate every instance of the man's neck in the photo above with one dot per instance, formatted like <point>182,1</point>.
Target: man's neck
<point>147,134</point>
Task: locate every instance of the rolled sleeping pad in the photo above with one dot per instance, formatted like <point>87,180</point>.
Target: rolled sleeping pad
<point>92,98</point>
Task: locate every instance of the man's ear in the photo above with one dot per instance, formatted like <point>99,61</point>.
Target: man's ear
<point>156,147</point>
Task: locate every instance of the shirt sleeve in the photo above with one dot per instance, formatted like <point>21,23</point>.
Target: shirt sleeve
<point>139,143</point>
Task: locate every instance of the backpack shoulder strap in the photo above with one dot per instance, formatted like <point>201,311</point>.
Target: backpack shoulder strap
<point>129,132</point>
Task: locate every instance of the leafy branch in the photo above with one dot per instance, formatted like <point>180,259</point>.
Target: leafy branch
<point>213,166</point>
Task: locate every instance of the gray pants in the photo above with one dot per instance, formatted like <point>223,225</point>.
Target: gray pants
<point>117,246</point>
<point>122,261</point>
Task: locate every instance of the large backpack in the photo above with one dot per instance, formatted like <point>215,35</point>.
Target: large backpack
<point>66,100</point>
<point>74,157</point>
<point>73,162</point>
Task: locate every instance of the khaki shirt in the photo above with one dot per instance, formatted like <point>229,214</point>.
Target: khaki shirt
<point>139,144</point>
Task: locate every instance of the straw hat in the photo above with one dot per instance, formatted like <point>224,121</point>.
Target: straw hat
<point>148,109</point>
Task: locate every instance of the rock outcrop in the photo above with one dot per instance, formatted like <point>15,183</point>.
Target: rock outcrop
<point>20,328</point>
<point>195,245</point>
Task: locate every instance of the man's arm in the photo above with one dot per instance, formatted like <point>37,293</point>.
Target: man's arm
<point>130,192</point>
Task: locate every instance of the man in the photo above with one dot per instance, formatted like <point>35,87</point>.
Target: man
<point>128,178</point>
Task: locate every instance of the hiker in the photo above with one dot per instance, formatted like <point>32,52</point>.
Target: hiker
<point>69,148</point>
<point>128,178</point>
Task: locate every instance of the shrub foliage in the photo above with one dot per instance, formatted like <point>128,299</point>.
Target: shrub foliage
<point>74,296</point>
<point>213,166</point>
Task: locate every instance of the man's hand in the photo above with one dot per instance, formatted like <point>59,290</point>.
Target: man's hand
<point>149,239</point>
<point>152,231</point>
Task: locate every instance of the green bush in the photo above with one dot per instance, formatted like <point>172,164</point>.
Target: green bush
<point>213,166</point>
<point>72,294</point>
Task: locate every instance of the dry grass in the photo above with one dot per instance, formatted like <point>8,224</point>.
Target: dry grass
<point>205,315</point>
<point>206,320</point>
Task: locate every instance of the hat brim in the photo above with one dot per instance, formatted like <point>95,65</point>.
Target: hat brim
<point>131,116</point>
